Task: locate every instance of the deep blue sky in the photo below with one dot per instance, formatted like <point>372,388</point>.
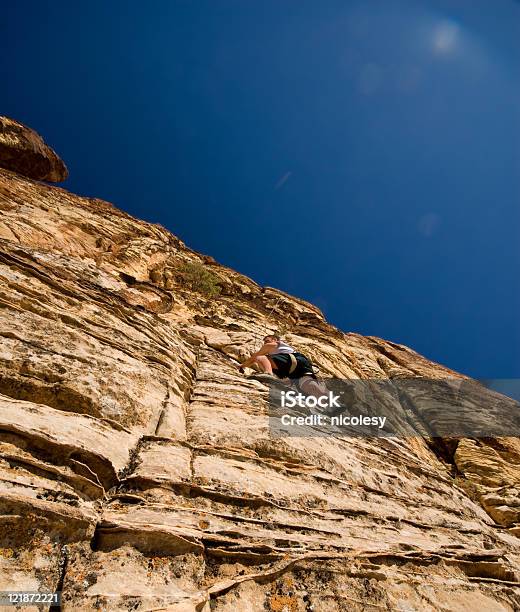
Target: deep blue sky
<point>363,155</point>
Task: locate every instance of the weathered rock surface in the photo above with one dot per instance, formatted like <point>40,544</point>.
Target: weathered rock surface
<point>136,466</point>
<point>23,151</point>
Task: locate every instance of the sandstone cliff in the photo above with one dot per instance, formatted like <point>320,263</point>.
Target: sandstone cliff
<point>136,467</point>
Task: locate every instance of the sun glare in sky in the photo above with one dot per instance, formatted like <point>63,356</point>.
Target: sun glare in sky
<point>445,37</point>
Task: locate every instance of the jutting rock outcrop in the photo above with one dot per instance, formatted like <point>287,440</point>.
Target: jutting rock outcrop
<point>137,469</point>
<point>23,150</point>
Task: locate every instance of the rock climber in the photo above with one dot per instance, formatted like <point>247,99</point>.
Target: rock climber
<point>276,358</point>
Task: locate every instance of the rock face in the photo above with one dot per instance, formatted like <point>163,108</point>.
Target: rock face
<point>137,471</point>
<point>23,151</point>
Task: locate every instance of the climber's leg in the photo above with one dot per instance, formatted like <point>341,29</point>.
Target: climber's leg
<point>262,361</point>
<point>310,386</point>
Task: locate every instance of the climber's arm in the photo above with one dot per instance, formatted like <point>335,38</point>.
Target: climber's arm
<point>265,350</point>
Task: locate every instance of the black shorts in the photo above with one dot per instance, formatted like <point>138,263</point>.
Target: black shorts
<point>284,362</point>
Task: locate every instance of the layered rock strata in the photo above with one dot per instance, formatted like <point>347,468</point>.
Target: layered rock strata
<point>137,470</point>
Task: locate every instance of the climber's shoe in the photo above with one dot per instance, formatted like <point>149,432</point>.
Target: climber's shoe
<point>330,412</point>
<point>336,411</point>
<point>318,410</point>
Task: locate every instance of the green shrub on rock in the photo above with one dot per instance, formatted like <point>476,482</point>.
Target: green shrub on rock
<point>198,278</point>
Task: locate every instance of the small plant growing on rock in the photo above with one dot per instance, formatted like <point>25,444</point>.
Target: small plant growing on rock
<point>198,278</point>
